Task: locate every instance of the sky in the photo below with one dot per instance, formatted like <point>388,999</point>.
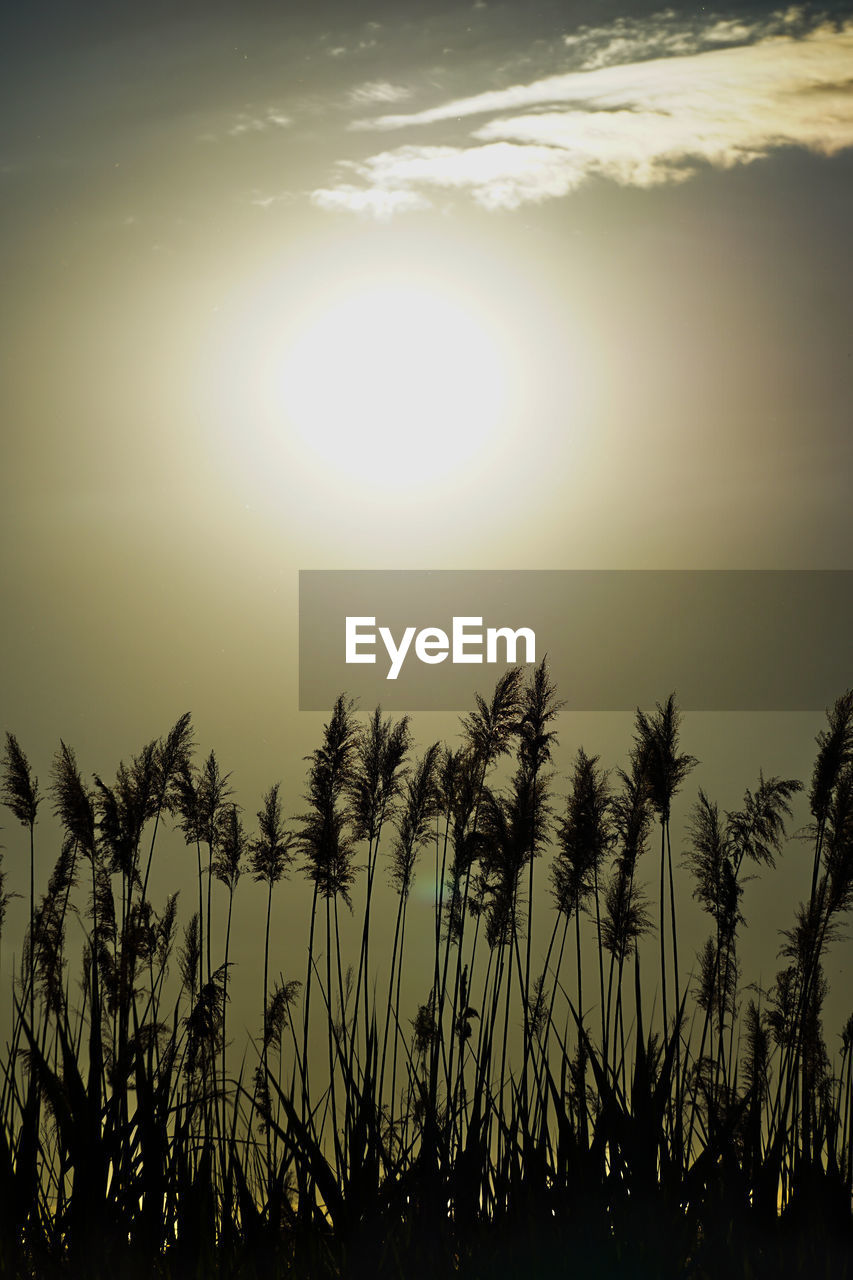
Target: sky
<point>405,286</point>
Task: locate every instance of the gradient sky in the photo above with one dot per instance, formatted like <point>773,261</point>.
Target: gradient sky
<point>392,285</point>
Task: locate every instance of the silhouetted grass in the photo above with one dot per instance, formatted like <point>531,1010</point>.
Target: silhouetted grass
<point>516,1127</point>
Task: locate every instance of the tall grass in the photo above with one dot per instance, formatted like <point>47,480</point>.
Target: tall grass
<point>530,1118</point>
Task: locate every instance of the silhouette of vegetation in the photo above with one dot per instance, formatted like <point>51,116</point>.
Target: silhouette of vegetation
<point>529,1119</point>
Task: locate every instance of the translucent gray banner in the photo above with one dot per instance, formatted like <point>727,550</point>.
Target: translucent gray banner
<point>724,640</point>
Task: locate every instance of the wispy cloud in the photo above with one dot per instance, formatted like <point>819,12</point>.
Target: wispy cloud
<point>248,122</point>
<point>377,91</point>
<point>619,44</point>
<point>258,122</point>
<point>346,51</point>
<point>501,175</point>
<point>263,200</point>
<point>380,202</point>
<point>723,94</point>
<point>670,34</point>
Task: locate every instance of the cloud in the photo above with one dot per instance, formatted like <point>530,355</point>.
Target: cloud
<point>258,122</point>
<point>345,51</point>
<point>671,35</point>
<point>500,175</point>
<point>379,202</point>
<point>373,91</point>
<point>262,200</point>
<point>640,122</point>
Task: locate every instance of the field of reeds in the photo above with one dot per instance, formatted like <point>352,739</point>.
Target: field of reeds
<point>537,1116</point>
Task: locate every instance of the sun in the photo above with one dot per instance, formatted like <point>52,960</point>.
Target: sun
<point>394,384</point>
<point>415,374</point>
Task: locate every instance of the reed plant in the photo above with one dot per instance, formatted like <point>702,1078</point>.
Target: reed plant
<point>489,1110</point>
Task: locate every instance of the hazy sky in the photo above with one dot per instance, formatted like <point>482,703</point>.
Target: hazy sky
<point>391,285</point>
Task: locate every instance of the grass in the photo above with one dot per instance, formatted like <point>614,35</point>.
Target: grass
<point>506,1131</point>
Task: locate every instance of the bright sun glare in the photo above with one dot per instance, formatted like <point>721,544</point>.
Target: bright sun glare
<point>394,384</point>
<point>417,370</point>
